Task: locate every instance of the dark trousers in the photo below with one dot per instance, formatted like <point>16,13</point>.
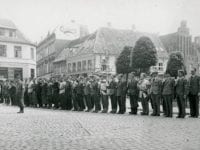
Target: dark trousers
<point>26,99</point>
<point>156,104</point>
<point>113,103</point>
<point>75,102</point>
<point>194,105</point>
<point>62,100</point>
<point>145,105</point>
<point>88,102</point>
<point>49,100</point>
<point>168,103</point>
<point>134,103</point>
<point>20,101</point>
<point>56,100</point>
<point>96,100</point>
<point>39,98</point>
<point>68,101</point>
<point>104,99</point>
<point>122,103</point>
<point>181,105</point>
<point>80,102</point>
<point>13,99</point>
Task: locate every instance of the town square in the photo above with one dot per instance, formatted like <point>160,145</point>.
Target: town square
<point>99,75</point>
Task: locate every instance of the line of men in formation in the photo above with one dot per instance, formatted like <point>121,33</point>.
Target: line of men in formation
<point>93,93</point>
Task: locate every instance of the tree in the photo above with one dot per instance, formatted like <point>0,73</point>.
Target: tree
<point>175,63</point>
<point>144,55</point>
<point>123,62</point>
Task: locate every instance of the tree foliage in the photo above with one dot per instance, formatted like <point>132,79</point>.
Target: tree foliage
<point>144,54</point>
<point>175,63</point>
<point>123,61</point>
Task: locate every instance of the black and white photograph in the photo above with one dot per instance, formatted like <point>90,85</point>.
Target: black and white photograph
<point>99,74</point>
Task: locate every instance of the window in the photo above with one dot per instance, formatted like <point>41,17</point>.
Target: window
<point>10,33</point>
<point>160,66</point>
<point>32,73</point>
<point>104,67</point>
<point>79,66</point>
<point>32,53</point>
<point>3,50</point>
<point>18,51</point>
<point>69,67</point>
<point>84,65</point>
<point>74,67</point>
<point>2,32</point>
<point>89,64</point>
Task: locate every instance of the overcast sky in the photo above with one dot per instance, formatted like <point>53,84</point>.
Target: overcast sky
<point>35,17</point>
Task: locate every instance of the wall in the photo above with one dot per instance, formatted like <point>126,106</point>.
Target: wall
<point>25,62</point>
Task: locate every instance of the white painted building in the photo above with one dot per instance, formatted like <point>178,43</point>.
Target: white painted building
<point>17,54</point>
<point>97,52</point>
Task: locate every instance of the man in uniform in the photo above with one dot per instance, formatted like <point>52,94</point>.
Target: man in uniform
<point>133,93</point>
<point>95,94</point>
<point>194,93</point>
<point>20,94</point>
<point>87,94</point>
<point>112,93</point>
<point>181,93</point>
<point>144,85</point>
<point>121,94</point>
<point>156,87</point>
<point>168,94</point>
<point>80,93</point>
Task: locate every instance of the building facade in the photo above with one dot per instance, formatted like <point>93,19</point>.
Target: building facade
<point>49,48</point>
<point>17,54</point>
<point>181,41</point>
<point>97,52</point>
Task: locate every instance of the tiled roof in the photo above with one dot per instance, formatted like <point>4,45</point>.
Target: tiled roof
<point>60,44</point>
<point>20,38</point>
<point>110,41</point>
<point>4,23</point>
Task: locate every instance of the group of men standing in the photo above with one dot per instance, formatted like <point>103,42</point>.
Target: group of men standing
<point>92,94</point>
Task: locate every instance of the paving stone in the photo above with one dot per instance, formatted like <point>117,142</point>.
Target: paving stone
<point>43,129</point>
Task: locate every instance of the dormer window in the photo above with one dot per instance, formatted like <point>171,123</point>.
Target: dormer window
<point>2,32</point>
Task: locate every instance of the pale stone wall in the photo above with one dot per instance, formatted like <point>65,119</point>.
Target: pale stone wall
<point>26,62</point>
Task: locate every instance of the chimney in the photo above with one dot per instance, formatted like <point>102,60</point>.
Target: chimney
<point>133,27</point>
<point>109,25</point>
<point>84,30</point>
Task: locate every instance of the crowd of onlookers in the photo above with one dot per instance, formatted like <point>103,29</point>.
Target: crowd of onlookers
<point>93,93</point>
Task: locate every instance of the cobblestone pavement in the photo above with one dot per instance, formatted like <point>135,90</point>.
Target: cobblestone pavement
<point>44,129</point>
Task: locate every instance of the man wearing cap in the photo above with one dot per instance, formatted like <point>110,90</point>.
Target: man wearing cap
<point>156,87</point>
<point>181,93</point>
<point>133,94</point>
<point>143,86</point>
<point>112,93</point>
<point>121,94</point>
<point>20,94</point>
<point>95,95</point>
<point>194,93</point>
<point>168,94</point>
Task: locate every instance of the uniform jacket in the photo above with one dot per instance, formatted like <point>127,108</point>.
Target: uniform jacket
<point>168,86</point>
<point>113,88</point>
<point>194,85</point>
<point>94,88</point>
<point>156,86</point>
<point>87,88</point>
<point>132,87</point>
<point>182,86</point>
<point>121,88</point>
